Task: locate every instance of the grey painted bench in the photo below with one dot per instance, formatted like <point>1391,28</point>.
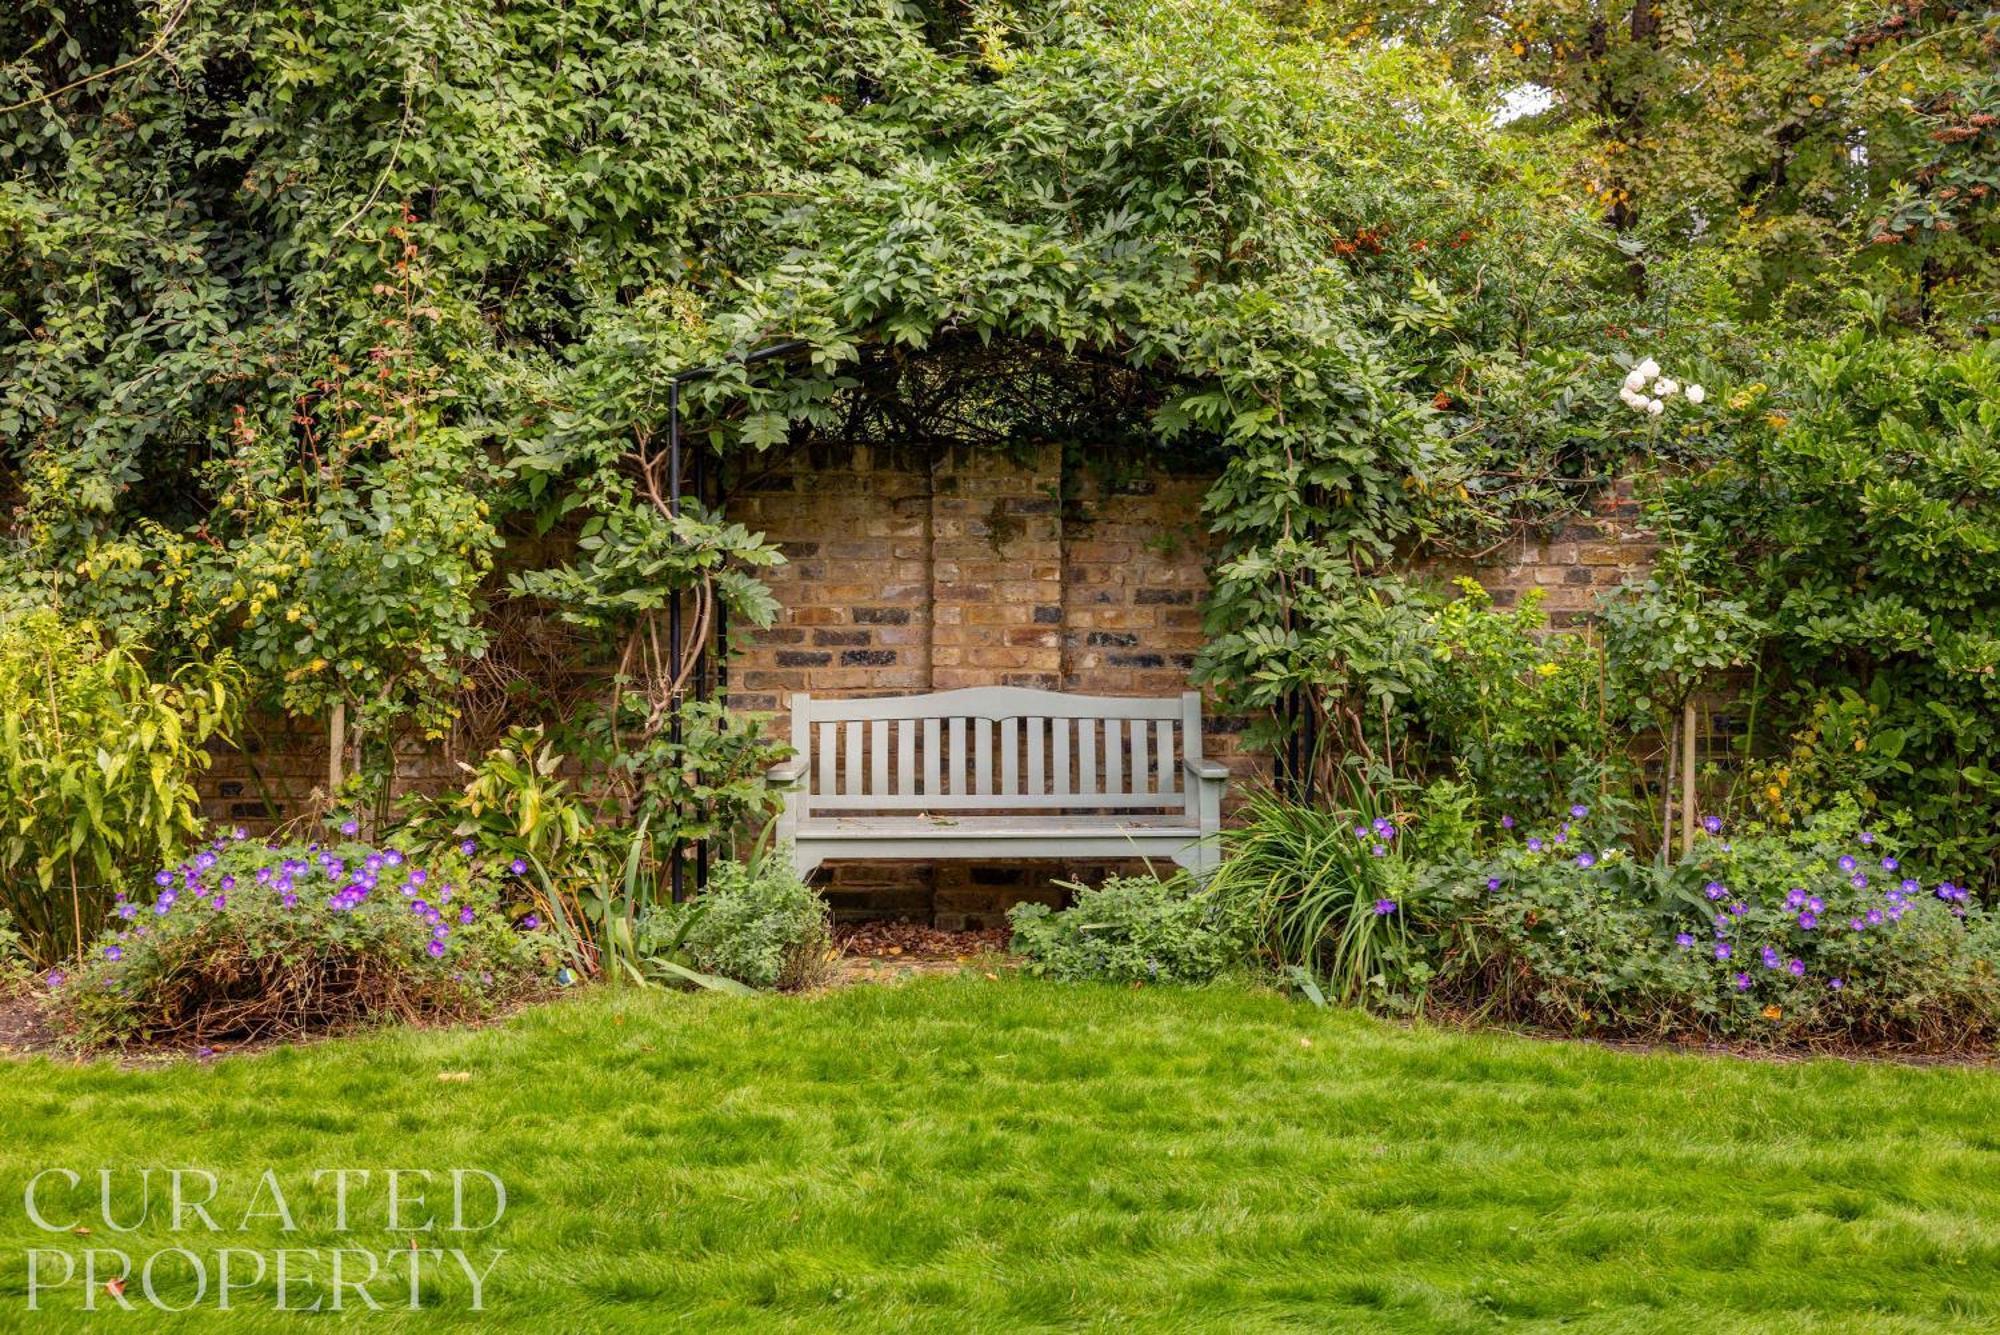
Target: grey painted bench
<point>999,772</point>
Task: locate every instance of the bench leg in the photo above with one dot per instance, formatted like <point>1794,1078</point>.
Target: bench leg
<point>1201,857</point>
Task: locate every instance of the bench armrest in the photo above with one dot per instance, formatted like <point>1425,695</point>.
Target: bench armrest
<point>1206,769</point>
<point>786,774</point>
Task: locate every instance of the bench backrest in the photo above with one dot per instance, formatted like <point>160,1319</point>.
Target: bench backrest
<point>996,748</point>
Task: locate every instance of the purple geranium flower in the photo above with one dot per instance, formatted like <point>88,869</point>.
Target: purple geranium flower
<point>1771,959</point>
<point>1716,889</point>
<point>468,848</point>
<point>518,867</point>
<point>1506,822</point>
<point>1713,824</point>
<point>1586,860</point>
<point>1579,811</point>
<point>350,827</point>
<point>56,978</point>
<point>1685,940</point>
<point>114,953</point>
<point>436,949</point>
<point>1890,864</point>
<point>1742,982</point>
<point>1866,837</point>
<point>1846,862</point>
<point>1835,983</point>
<point>534,920</point>
<point>1797,968</point>
<point>1534,845</point>
<point>1493,883</point>
<point>1808,921</point>
<point>465,915</point>
<point>1722,950</point>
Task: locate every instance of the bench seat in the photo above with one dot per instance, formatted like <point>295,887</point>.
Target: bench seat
<point>1002,773</point>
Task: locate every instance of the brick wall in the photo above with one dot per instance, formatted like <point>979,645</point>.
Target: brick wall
<point>910,573</point>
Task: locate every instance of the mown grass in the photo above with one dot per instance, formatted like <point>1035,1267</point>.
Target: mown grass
<point>965,1154</point>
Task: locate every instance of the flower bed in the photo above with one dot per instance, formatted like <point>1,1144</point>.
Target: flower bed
<point>1821,935</point>
<point>248,940</point>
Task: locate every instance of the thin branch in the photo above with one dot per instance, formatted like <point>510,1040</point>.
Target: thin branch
<point>159,45</point>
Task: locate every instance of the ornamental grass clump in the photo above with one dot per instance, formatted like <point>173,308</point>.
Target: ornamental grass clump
<point>249,940</point>
<point>1820,936</point>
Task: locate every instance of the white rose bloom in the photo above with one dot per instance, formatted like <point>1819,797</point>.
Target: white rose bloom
<point>1665,388</point>
<point>1696,393</point>
<point>1632,398</point>
<point>1648,368</point>
<point>1634,382</point>
<point>1655,407</point>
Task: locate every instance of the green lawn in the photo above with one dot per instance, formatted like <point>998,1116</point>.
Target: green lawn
<point>970,1154</point>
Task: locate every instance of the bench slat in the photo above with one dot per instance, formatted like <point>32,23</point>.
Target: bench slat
<point>1060,728</point>
<point>949,807</point>
<point>982,779</point>
<point>906,757</point>
<point>878,756</point>
<point>1114,755</point>
<point>955,758</point>
<point>827,755</point>
<point>1142,766</point>
<point>1086,756</point>
<point>1168,769</point>
<point>992,702</point>
<point>933,758</point>
<point>1010,756</point>
<point>1038,775</point>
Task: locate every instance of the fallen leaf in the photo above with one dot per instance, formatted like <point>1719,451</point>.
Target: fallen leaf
<point>1305,1042</point>
<point>992,977</point>
<point>115,1287</point>
<point>81,1230</point>
<point>455,1077</point>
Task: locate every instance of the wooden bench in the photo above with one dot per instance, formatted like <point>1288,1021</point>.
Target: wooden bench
<point>999,772</point>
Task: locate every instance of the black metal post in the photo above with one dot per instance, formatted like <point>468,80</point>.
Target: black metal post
<point>674,869</point>
<point>700,670</point>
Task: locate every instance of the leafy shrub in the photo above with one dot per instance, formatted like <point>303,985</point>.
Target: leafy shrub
<point>1817,933</point>
<point>1134,929</point>
<point>1516,710</point>
<point>97,761</point>
<point>249,940</point>
<point>1858,521</point>
<point>758,924</point>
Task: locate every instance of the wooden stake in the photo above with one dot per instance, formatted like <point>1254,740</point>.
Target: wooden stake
<point>336,750</point>
<point>1687,779</point>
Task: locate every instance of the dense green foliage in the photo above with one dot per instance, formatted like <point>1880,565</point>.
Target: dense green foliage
<point>1806,146</point>
<point>1860,523</point>
<point>1133,929</point>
